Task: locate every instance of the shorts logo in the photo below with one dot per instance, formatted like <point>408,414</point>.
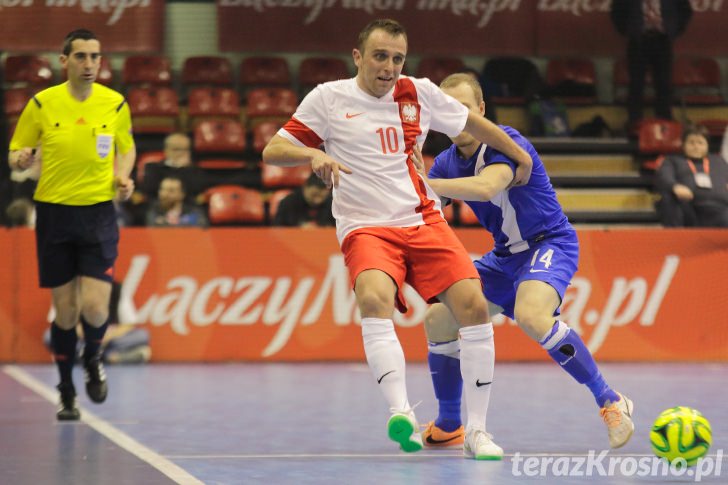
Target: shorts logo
<point>409,112</point>
<point>103,144</point>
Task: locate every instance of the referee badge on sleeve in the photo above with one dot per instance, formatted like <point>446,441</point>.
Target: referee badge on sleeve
<point>103,144</point>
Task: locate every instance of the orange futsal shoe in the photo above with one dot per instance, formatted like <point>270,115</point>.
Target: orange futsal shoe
<point>437,438</point>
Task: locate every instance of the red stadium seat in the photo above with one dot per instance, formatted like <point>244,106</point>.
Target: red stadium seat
<point>467,216</point>
<point>153,109</point>
<point>147,70</point>
<point>271,102</point>
<point>274,176</point>
<point>143,160</point>
<point>208,70</point>
<point>213,101</point>
<point>275,200</point>
<point>16,99</point>
<point>317,70</point>
<point>219,136</point>
<point>572,80</point>
<point>438,68</point>
<point>697,81</point>
<point>27,70</point>
<point>263,132</point>
<point>264,72</point>
<point>221,164</point>
<point>658,136</point>
<point>230,204</point>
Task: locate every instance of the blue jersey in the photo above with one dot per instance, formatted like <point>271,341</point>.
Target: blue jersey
<point>517,217</point>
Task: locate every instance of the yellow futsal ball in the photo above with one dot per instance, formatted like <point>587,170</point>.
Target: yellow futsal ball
<point>681,432</point>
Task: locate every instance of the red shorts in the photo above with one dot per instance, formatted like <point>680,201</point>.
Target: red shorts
<point>429,257</point>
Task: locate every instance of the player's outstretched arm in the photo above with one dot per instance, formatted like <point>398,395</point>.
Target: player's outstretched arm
<point>283,153</point>
<point>489,133</point>
<point>482,187</point>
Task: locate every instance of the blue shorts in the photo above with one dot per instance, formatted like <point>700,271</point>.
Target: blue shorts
<point>75,241</point>
<point>553,261</point>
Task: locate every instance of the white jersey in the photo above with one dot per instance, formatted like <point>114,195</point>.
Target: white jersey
<point>374,137</point>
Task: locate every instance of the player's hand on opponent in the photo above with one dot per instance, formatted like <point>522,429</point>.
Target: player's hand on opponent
<point>418,161</point>
<point>524,165</point>
<point>124,187</point>
<point>328,169</point>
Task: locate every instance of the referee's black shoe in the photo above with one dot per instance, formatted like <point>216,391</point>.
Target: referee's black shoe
<point>67,407</point>
<point>96,387</point>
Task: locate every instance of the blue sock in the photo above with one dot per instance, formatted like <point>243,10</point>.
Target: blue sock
<point>447,382</point>
<point>568,350</point>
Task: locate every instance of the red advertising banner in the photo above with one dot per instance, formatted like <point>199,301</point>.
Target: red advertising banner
<point>487,27</point>
<point>433,27</point>
<point>270,294</point>
<point>121,26</point>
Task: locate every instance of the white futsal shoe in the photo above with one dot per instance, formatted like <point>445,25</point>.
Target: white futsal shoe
<point>479,445</point>
<point>618,418</point>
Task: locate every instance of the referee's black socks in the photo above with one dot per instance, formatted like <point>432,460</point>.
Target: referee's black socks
<point>63,343</point>
<point>93,336</point>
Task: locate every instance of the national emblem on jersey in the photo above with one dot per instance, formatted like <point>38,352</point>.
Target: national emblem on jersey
<point>410,112</point>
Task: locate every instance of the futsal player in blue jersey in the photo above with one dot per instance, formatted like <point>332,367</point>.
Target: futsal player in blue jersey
<point>525,276</point>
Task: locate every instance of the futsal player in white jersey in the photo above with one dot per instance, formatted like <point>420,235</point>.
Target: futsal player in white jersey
<point>388,221</point>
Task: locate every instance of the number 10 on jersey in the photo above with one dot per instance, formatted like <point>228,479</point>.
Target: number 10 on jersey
<point>389,139</point>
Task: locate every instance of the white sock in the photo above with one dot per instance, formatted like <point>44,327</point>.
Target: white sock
<point>386,360</point>
<point>450,349</point>
<point>477,362</point>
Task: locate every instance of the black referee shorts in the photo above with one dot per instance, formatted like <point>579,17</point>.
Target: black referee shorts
<point>75,241</point>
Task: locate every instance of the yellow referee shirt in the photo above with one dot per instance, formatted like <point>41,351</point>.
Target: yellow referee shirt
<point>78,141</point>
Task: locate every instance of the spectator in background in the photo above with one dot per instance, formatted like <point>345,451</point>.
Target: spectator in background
<point>309,205</point>
<point>650,27</point>
<point>177,162</point>
<point>171,209</point>
<point>21,213</point>
<point>694,184</point>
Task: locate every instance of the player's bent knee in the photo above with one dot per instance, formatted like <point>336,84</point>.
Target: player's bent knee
<point>473,313</point>
<point>439,324</point>
<point>66,320</point>
<point>95,314</point>
<point>534,323</point>
<point>375,304</point>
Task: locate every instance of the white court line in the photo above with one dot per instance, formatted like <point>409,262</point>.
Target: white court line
<point>454,453</point>
<point>174,472</point>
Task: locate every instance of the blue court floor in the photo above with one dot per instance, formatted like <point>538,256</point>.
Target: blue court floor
<point>325,423</point>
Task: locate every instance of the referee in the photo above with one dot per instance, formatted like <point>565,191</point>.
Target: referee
<point>84,133</point>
